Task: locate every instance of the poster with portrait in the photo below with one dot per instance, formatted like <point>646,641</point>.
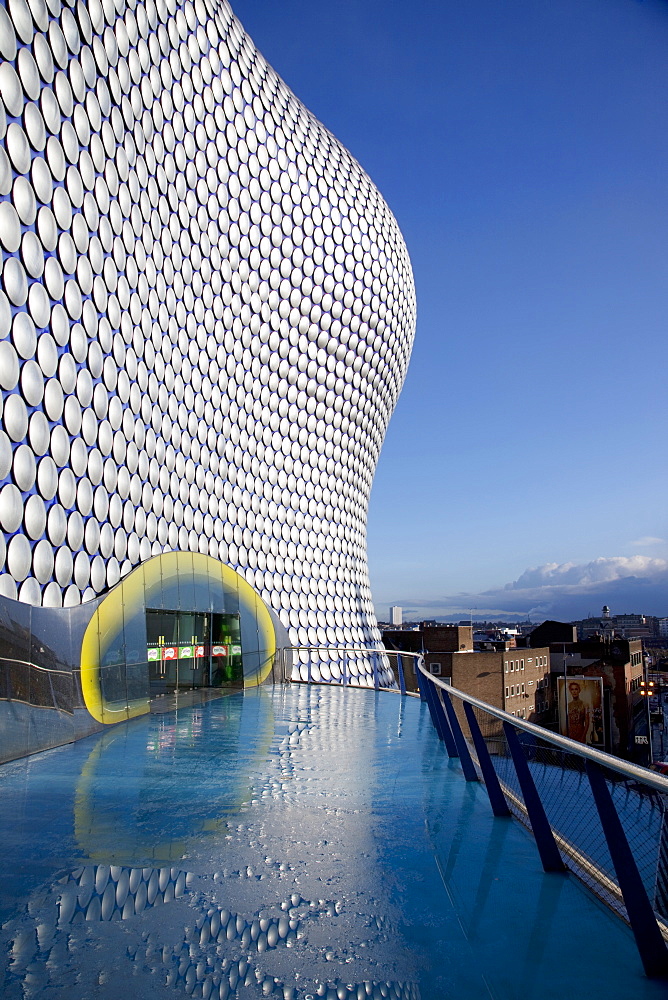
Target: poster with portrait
<point>581,709</point>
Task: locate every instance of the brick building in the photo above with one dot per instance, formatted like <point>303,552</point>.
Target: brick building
<point>515,680</point>
<point>619,662</point>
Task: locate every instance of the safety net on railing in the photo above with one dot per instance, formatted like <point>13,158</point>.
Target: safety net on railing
<point>602,818</point>
<point>565,792</point>
<point>351,666</point>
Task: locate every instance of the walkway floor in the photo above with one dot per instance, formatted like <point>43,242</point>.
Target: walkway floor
<point>295,843</point>
<point>177,700</point>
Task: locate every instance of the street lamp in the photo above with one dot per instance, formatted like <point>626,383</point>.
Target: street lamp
<point>565,666</point>
<point>647,691</point>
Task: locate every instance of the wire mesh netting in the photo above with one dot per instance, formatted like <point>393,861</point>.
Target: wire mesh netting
<point>350,666</point>
<point>563,786</point>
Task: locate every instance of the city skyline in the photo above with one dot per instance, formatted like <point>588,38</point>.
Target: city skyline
<point>522,151</point>
<point>628,595</point>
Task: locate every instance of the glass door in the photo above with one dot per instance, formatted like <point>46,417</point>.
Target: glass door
<point>192,649</point>
<point>162,640</point>
<point>226,663</point>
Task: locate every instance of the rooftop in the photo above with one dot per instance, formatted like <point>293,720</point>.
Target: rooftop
<point>303,841</point>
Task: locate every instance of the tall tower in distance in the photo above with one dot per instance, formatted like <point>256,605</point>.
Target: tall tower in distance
<point>396,615</point>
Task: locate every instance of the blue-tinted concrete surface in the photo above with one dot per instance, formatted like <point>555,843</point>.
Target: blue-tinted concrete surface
<point>296,843</point>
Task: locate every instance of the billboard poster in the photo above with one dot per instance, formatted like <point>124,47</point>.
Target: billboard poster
<point>581,709</point>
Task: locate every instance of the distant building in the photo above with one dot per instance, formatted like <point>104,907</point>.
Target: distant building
<point>550,633</point>
<point>396,616</point>
<point>633,626</point>
<point>515,680</point>
<point>618,661</point>
<point>439,644</point>
<point>522,679</point>
<point>498,633</point>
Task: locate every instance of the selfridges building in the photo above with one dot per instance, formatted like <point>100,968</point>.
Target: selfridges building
<point>206,315</point>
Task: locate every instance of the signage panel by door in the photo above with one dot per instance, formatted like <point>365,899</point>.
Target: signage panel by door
<point>192,649</point>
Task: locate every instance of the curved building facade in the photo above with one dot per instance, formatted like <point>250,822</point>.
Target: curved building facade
<point>206,314</point>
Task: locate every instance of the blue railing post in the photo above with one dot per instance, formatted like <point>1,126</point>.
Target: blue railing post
<point>497,799</point>
<point>400,671</point>
<point>542,831</point>
<point>652,947</point>
<point>345,668</point>
<point>309,666</point>
<point>439,718</point>
<point>426,696</point>
<point>421,682</point>
<point>374,660</point>
<point>468,767</point>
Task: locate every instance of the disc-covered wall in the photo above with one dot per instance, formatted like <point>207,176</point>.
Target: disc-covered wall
<point>206,314</point>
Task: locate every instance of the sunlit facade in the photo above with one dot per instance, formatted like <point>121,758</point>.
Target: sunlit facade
<point>206,315</point>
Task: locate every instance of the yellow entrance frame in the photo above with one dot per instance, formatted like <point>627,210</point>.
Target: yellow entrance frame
<point>130,598</point>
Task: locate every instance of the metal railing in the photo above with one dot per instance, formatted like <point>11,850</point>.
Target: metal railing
<point>599,817</point>
<point>341,665</point>
<point>592,814</point>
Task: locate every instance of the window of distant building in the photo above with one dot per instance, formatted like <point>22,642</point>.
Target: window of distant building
<point>435,668</point>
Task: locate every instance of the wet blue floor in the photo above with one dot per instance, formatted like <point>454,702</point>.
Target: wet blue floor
<point>295,843</point>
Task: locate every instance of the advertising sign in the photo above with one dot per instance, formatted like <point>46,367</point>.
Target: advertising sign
<point>581,709</point>
<point>176,652</point>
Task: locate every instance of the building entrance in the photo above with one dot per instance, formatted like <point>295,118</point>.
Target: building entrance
<point>192,649</point>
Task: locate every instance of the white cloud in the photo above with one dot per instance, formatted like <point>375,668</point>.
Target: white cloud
<point>591,574</point>
<point>563,590</point>
<point>648,542</point>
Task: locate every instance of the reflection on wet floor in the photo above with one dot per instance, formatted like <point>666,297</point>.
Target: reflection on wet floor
<point>294,843</point>
<point>219,950</point>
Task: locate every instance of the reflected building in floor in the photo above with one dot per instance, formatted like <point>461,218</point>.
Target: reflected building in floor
<point>206,314</point>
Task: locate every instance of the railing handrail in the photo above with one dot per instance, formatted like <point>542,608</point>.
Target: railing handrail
<point>628,770</point>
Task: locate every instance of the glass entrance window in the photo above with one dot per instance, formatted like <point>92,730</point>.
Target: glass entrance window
<point>192,649</point>
<point>226,664</point>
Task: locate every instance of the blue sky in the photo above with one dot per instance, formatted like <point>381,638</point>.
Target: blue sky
<point>522,146</point>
